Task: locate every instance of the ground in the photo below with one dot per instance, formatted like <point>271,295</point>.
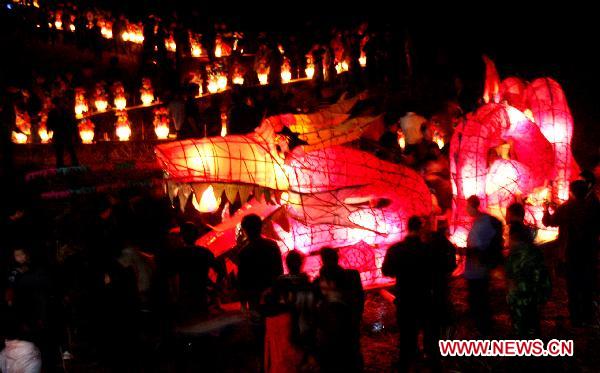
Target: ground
<point>231,349</point>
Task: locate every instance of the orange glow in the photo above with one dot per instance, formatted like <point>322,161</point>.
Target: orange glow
<point>19,137</point>
<point>341,67</point>
<point>208,201</point>
<point>238,79</point>
<point>86,131</point>
<point>45,135</point>
<point>161,123</point>
<point>223,124</point>
<point>362,60</point>
<point>286,71</point>
<point>147,98</point>
<point>401,140</point>
<point>123,127</point>
<point>147,93</point>
<point>196,51</point>
<point>120,103</point>
<point>310,71</point>
<point>263,77</point>
<point>81,106</point>
<point>286,76</point>
<point>101,105</point>
<point>170,44</point>
<point>221,82</point>
<point>105,28</point>
<point>438,139</point>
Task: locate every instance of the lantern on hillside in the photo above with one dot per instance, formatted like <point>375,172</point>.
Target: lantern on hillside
<point>100,98</point>
<point>238,76</point>
<point>147,93</point>
<point>18,137</point>
<point>286,71</point>
<point>86,131</point>
<point>195,78</point>
<point>263,74</point>
<point>310,67</point>
<point>58,20</point>
<point>81,106</point>
<point>119,93</point>
<point>122,126</point>
<point>195,45</point>
<point>161,123</point>
<point>341,66</point>
<point>105,28</point>
<point>170,44</point>
<point>222,49</point>
<point>23,124</point>
<point>43,133</point>
<point>362,60</point>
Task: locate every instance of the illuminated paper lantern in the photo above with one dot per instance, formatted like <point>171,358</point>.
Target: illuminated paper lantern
<point>286,71</point>
<point>222,49</point>
<point>43,133</point>
<point>313,194</point>
<point>161,123</point>
<point>105,28</point>
<point>310,67</point>
<point>362,60</point>
<point>502,153</point>
<point>170,44</point>
<point>548,104</point>
<point>122,126</point>
<point>86,131</point>
<point>146,92</point>
<point>19,137</point>
<point>100,98</point>
<point>263,75</point>
<point>195,44</point>
<point>81,106</point>
<point>120,101</point>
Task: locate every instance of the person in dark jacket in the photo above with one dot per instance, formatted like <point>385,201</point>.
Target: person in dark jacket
<point>259,263</point>
<point>192,266</point>
<point>409,262</point>
<point>578,231</point>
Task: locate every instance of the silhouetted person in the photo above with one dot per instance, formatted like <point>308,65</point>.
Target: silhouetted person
<point>577,220</point>
<point>259,263</point>
<point>443,262</point>
<point>117,322</point>
<point>296,292</point>
<point>336,340</point>
<point>351,284</point>
<point>515,214</point>
<point>192,265</point>
<point>529,285</point>
<point>481,248</point>
<point>409,262</point>
<point>32,300</point>
<point>61,120</point>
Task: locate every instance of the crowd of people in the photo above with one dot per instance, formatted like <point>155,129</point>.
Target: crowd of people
<point>85,291</point>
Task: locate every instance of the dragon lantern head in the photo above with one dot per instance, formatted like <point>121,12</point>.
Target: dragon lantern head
<point>311,190</point>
